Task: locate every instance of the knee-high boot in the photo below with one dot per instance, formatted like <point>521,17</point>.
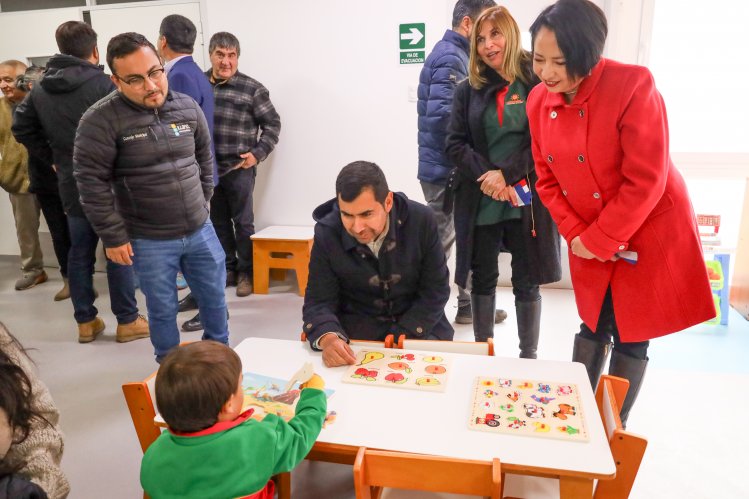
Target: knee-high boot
<point>593,355</point>
<point>483,316</point>
<point>529,324</point>
<point>633,370</point>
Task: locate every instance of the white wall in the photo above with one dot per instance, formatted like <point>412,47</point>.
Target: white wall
<point>332,68</point>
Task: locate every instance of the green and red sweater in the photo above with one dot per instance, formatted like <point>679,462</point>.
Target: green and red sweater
<point>235,458</point>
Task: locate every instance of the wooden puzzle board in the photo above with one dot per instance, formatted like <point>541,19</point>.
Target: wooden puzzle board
<point>529,408</point>
<point>415,370</point>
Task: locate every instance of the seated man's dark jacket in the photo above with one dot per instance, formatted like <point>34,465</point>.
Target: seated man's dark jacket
<point>46,121</point>
<point>352,292</point>
<point>144,173</point>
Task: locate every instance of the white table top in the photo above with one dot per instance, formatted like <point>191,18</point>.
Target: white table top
<point>290,232</point>
<point>437,423</point>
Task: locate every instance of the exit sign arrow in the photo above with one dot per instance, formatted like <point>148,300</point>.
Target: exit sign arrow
<point>415,36</point>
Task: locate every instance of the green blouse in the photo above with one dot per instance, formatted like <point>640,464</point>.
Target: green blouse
<point>502,141</point>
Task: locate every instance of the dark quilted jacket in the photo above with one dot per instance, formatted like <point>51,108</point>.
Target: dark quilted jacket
<point>445,67</point>
<point>69,86</point>
<point>144,173</point>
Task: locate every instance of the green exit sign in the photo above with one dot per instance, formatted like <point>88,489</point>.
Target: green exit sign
<point>412,36</point>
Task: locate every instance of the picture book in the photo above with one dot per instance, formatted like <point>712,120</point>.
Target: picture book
<point>529,408</point>
<point>399,369</point>
<point>268,395</point>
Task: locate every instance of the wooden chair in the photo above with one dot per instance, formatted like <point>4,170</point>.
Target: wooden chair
<point>626,448</point>
<point>471,347</point>
<point>374,470</point>
<point>140,396</point>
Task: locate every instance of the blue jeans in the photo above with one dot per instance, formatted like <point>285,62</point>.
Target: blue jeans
<point>202,260</point>
<point>81,258</point>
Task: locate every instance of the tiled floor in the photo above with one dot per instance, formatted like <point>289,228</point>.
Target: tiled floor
<point>692,408</point>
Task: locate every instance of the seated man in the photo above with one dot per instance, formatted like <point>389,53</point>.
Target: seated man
<point>377,268</point>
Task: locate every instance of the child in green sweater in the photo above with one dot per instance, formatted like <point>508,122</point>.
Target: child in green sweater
<point>212,449</point>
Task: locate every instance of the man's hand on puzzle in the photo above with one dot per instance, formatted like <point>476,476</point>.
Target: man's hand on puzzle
<point>335,351</point>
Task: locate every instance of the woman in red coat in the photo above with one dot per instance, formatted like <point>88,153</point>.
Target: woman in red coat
<point>600,145</point>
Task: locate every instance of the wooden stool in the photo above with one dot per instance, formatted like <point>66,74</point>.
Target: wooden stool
<point>293,241</point>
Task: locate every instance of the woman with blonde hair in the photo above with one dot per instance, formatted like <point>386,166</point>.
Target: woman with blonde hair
<point>489,144</point>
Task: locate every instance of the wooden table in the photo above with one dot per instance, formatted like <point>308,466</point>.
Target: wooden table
<point>437,423</point>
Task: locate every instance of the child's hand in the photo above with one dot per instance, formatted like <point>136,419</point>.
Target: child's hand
<point>314,382</point>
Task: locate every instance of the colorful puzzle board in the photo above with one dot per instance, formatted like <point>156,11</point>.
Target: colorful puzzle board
<point>266,395</point>
<point>529,408</point>
<point>400,369</point>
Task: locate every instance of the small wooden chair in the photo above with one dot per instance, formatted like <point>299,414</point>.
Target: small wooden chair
<point>471,347</point>
<point>626,448</point>
<point>281,247</point>
<point>140,396</point>
<point>374,470</point>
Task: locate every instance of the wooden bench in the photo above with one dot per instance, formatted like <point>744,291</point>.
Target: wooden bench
<point>283,247</point>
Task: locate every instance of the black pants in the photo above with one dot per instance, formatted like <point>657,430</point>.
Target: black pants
<point>607,329</point>
<point>57,222</point>
<point>233,218</point>
<point>487,242</point>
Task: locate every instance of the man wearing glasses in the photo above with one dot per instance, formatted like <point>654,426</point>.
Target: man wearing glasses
<point>144,169</point>
<point>46,123</point>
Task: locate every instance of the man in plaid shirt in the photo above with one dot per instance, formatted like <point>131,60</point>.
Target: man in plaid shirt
<point>246,128</point>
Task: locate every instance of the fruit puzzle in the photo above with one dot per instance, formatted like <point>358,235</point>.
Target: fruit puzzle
<point>529,408</point>
<point>400,369</point>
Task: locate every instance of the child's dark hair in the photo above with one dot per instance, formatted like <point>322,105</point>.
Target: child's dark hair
<point>194,382</point>
<point>16,398</point>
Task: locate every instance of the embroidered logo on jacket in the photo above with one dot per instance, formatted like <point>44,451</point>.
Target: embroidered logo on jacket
<point>515,99</point>
<point>180,128</point>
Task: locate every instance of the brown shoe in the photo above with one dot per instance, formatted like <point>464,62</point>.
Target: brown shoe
<point>31,279</point>
<point>244,285</point>
<point>88,331</point>
<point>133,331</point>
<point>64,293</point>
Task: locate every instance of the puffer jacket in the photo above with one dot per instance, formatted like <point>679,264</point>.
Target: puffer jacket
<point>69,87</point>
<point>357,294</point>
<point>144,173</point>
<point>444,68</point>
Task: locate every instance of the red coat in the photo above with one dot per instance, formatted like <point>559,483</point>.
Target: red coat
<point>605,174</point>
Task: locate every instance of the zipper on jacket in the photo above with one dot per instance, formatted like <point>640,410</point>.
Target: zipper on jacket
<point>174,169</point>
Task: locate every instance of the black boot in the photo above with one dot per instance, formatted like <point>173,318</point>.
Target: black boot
<point>483,316</point>
<point>187,303</point>
<point>633,370</point>
<point>593,355</point>
<point>529,325</point>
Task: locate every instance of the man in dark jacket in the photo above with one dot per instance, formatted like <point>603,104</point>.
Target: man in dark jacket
<point>144,170</point>
<point>377,268</point>
<point>43,184</point>
<point>46,123</point>
<point>176,42</point>
<point>443,69</point>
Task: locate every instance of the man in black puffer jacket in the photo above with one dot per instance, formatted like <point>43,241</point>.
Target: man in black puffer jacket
<point>45,123</point>
<point>144,170</point>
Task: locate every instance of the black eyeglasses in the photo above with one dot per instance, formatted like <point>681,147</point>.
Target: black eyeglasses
<point>139,81</point>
